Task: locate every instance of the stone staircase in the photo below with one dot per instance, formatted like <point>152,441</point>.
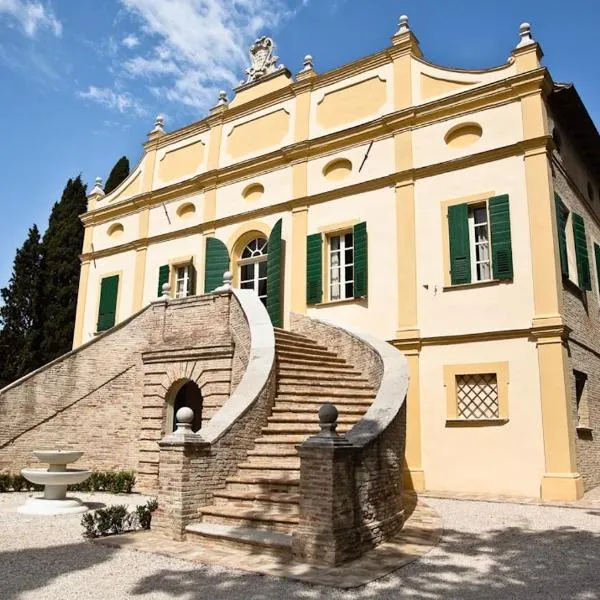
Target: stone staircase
<point>258,508</point>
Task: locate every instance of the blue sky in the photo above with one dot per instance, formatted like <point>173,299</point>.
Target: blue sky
<point>82,80</point>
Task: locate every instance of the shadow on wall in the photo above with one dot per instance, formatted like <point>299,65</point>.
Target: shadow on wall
<point>500,564</point>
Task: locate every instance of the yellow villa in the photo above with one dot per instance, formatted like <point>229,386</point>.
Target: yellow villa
<point>454,214</point>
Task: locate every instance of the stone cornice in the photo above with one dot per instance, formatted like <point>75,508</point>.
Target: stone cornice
<point>488,96</point>
<point>365,186</point>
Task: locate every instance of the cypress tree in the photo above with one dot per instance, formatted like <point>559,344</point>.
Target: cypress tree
<point>62,245</point>
<point>119,173</point>
<point>20,314</point>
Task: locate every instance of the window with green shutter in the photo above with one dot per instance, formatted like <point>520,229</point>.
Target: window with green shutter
<point>217,263</point>
<point>163,277</point>
<point>597,258</point>
<point>581,253</point>
<point>502,262</point>
<point>460,251</point>
<point>107,310</point>
<point>314,268</point>
<point>361,260</point>
<point>274,280</point>
<point>562,214</point>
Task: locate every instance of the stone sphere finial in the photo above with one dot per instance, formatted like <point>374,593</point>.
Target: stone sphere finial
<point>99,182</point>
<point>525,33</point>
<point>403,25</point>
<point>159,124</point>
<point>166,290</point>
<point>222,98</point>
<point>227,279</point>
<point>98,187</point>
<point>184,417</point>
<point>308,63</point>
<point>328,415</point>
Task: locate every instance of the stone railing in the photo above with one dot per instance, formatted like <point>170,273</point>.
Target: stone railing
<point>194,465</point>
<point>351,486</point>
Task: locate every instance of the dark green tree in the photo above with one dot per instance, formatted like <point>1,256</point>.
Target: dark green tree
<point>20,313</point>
<point>119,173</point>
<point>62,245</point>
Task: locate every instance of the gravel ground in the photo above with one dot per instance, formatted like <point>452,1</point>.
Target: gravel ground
<point>488,551</point>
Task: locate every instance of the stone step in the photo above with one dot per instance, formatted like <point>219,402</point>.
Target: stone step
<point>248,482</point>
<point>257,496</point>
<point>323,381</point>
<point>291,335</point>
<point>290,362</point>
<point>285,508</point>
<point>284,463</point>
<point>322,357</point>
<point>313,408</point>
<point>299,428</point>
<point>273,450</point>
<point>309,417</point>
<point>320,400</point>
<point>317,373</point>
<point>293,348</point>
<point>237,514</point>
<point>325,388</point>
<point>273,471</point>
<point>244,539</point>
<point>279,439</point>
<point>305,345</point>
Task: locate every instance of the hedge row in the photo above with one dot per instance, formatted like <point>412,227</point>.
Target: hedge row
<point>117,519</point>
<point>114,482</point>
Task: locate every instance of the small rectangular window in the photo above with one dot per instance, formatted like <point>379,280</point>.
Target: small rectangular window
<point>183,281</point>
<point>477,396</point>
<point>581,398</point>
<point>341,266</point>
<point>479,240</point>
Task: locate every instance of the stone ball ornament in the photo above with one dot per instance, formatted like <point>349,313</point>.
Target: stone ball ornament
<point>185,415</point>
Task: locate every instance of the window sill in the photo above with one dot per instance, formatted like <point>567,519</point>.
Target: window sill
<point>338,302</point>
<point>476,284</point>
<point>475,422</point>
<point>584,429</point>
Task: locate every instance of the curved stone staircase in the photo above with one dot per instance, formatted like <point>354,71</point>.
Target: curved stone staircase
<point>258,508</point>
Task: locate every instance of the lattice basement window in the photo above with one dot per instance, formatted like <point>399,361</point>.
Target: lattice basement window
<point>477,396</point>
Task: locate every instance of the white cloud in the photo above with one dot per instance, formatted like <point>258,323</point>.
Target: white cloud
<point>32,15</point>
<point>196,47</point>
<point>120,101</point>
<point>131,41</point>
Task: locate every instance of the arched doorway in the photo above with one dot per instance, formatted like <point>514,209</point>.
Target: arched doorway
<point>189,395</point>
<point>252,266</point>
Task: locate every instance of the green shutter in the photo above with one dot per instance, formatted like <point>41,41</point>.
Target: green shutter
<point>163,277</point>
<point>460,253</point>
<point>581,252</point>
<point>274,269</point>
<point>314,268</point>
<point>502,262</point>
<point>192,282</point>
<point>217,262</point>
<point>561,226</point>
<point>361,261</point>
<point>109,288</point>
<point>597,257</point>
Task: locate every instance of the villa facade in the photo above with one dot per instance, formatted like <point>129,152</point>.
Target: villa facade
<point>453,213</point>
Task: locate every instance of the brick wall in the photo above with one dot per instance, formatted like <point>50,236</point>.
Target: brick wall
<point>100,398</point>
<point>582,314</point>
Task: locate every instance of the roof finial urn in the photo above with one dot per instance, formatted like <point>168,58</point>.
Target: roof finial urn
<point>403,26</point>
<point>525,33</point>
<point>159,124</point>
<point>98,187</point>
<point>262,59</point>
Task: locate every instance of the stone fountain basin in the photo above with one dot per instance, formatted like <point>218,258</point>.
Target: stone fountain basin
<point>57,457</point>
<point>44,477</point>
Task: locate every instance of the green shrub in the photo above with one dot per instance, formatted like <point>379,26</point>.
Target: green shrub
<point>19,483</point>
<point>5,482</point>
<point>117,519</point>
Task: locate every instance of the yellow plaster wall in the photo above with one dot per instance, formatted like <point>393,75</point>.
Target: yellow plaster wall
<point>180,161</point>
<point>506,459</point>
<point>501,126</point>
<point>262,131</point>
<point>261,89</point>
<point>124,264</point>
<point>379,164</point>
<point>163,253</point>
<point>101,240</point>
<point>471,309</point>
<point>431,82</point>
<point>354,100</point>
<point>158,223</point>
<point>278,188</point>
<point>376,314</point>
<point>131,187</point>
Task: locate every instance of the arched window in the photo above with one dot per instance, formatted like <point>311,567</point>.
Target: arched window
<point>189,395</point>
<point>253,267</point>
